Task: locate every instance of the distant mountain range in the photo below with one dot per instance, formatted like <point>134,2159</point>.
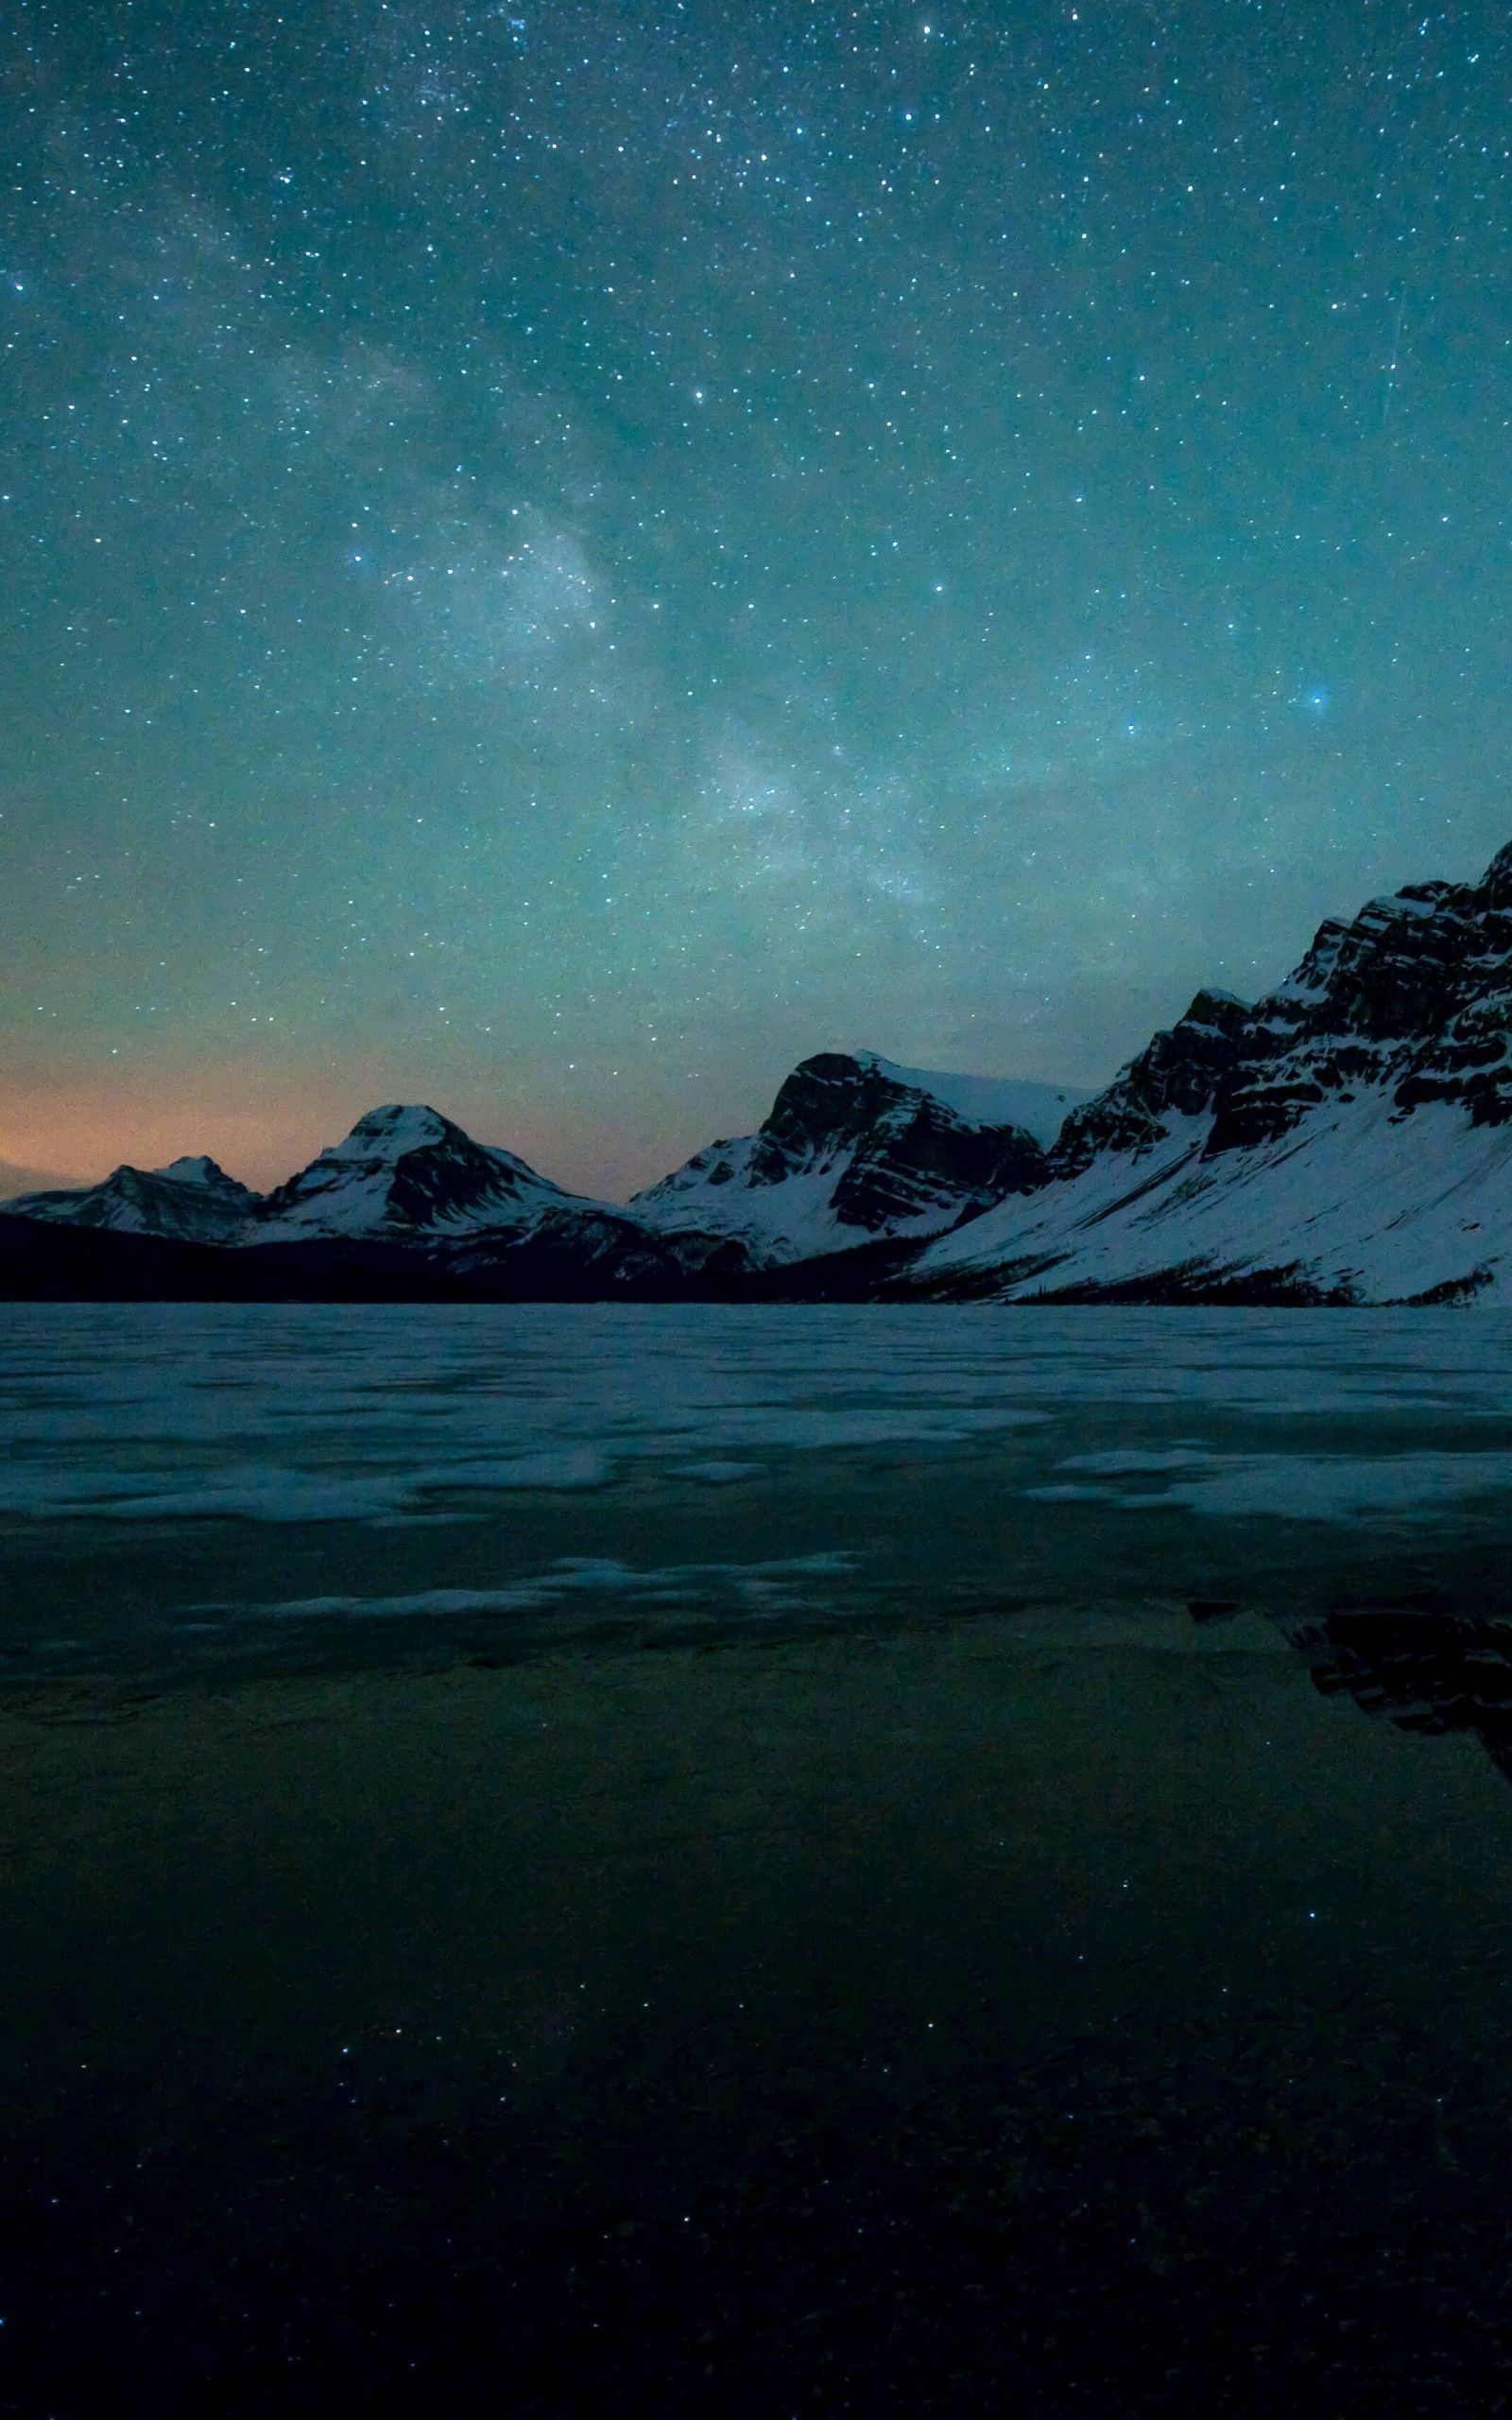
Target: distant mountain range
<point>1348,1139</point>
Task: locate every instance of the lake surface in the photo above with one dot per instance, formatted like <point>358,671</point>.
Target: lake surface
<point>762,1862</point>
<point>186,1488</point>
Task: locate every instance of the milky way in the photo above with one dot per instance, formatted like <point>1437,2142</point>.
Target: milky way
<point>559,557</point>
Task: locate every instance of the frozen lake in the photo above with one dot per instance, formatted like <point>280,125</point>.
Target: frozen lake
<point>181,1483</point>
<point>754,1862</point>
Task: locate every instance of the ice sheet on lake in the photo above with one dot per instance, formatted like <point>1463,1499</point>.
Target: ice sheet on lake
<point>1295,1487</point>
<point>773,1587</point>
<point>293,1414</point>
<point>180,1480</point>
<point>297,1415</point>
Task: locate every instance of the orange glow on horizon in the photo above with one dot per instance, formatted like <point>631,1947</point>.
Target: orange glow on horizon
<point>262,1124</point>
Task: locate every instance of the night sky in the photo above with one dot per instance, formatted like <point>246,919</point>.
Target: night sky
<point>559,558</point>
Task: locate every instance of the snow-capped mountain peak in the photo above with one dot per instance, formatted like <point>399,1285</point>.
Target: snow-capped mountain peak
<point>1350,1137</point>
<point>397,1127</point>
<point>405,1171</point>
<point>1347,1138</point>
<point>857,1148</point>
<point>196,1169</point>
<point>193,1200</point>
<point>1040,1110</point>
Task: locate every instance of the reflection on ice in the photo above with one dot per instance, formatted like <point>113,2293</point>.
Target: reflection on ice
<point>1425,1667</point>
<point>178,1471</point>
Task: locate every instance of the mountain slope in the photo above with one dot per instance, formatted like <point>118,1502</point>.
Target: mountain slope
<point>855,1149</point>
<point>1040,1110</point>
<point>1348,1138</point>
<point>407,1206</point>
<point>566,1256</point>
<point>405,1173</point>
<point>193,1200</point>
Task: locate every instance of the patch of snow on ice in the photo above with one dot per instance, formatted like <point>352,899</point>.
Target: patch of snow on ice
<point>769,1586</point>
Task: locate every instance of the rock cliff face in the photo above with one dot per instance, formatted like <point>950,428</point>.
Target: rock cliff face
<point>1347,1139</point>
<point>1178,1074</point>
<point>1413,999</point>
<point>854,1149</point>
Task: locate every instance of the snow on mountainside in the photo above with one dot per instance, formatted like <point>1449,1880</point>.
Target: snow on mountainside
<point>856,1148</point>
<point>191,1201</point>
<point>402,1175</point>
<point>405,1173</point>
<point>1041,1109</point>
<point>1348,1138</point>
<point>200,1170</point>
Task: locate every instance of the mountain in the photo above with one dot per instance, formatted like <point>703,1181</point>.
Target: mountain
<point>856,1148</point>
<point>1347,1139</point>
<point>858,1161</point>
<point>408,1208</point>
<point>1041,1109</point>
<point>191,1201</point>
<point>405,1174</point>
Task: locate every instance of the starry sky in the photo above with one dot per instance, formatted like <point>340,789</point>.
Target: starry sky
<point>561,555</point>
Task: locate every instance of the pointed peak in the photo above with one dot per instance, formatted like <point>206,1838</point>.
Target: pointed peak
<point>1496,882</point>
<point>397,1127</point>
<point>839,1066</point>
<point>200,1169</point>
<point>1212,1006</point>
<point>406,1172</point>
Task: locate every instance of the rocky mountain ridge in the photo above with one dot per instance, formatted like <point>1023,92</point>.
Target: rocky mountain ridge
<point>1346,1140</point>
<point>402,1174</point>
<point>855,1149</point>
<point>853,1152</point>
<point>405,1173</point>
<point>191,1201</point>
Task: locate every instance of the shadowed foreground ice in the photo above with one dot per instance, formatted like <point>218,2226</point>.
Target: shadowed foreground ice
<point>754,1862</point>
<point>176,1476</point>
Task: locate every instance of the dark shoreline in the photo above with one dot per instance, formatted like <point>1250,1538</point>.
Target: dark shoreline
<point>45,1263</point>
